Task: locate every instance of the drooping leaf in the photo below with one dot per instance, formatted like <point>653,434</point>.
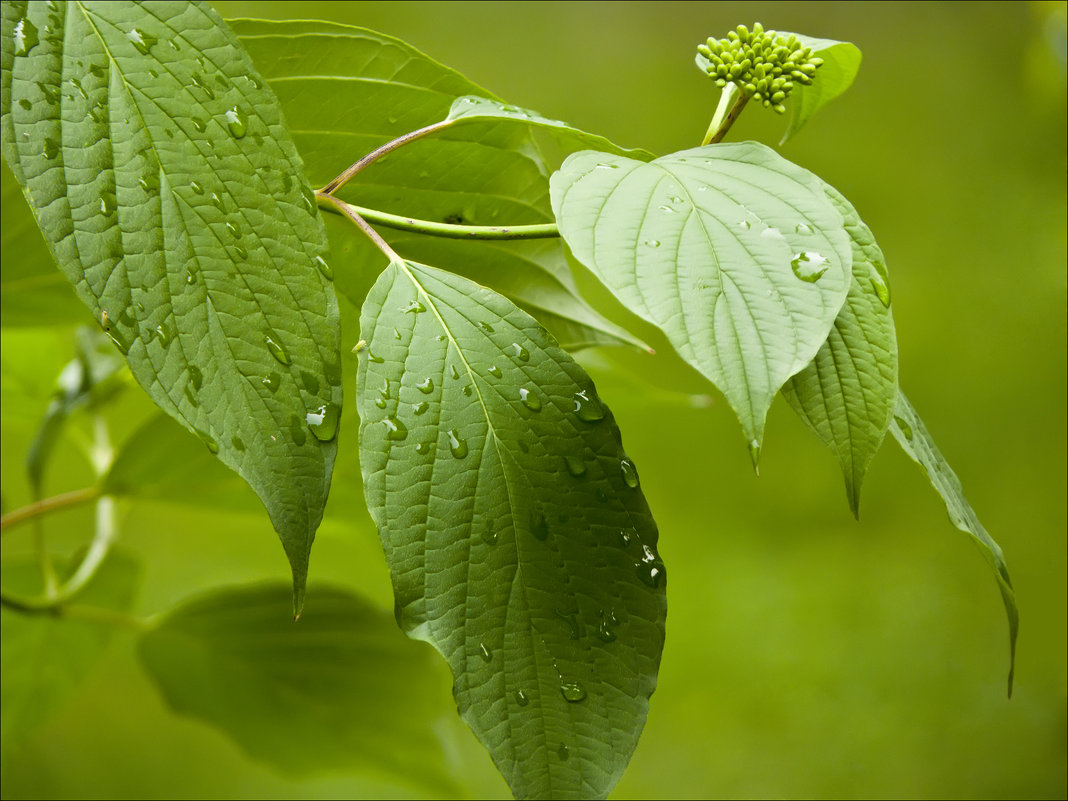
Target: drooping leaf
<point>162,176</point>
<point>847,393</point>
<point>518,539</point>
<point>911,434</point>
<point>841,60</point>
<point>358,89</point>
<point>336,690</point>
<point>735,253</point>
<point>45,657</point>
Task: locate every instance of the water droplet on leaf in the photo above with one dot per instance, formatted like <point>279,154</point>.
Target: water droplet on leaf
<point>421,407</point>
<point>809,266</point>
<point>272,381</point>
<point>630,474</point>
<point>426,386</point>
<point>494,371</point>
<point>235,123</point>
<point>324,268</point>
<point>274,346</point>
<point>25,37</point>
<point>530,399</point>
<point>587,407</point>
<point>395,429</point>
<point>572,691</point>
<point>323,421</point>
<point>521,698</point>
<point>457,445</point>
<point>483,651</point>
<point>517,352</point>
<point>575,465</point>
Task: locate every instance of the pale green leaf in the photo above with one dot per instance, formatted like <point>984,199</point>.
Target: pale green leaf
<point>349,90</point>
<point>841,61</point>
<point>173,199</point>
<point>336,690</point>
<point>735,253</point>
<point>911,434</point>
<point>518,539</point>
<point>847,393</point>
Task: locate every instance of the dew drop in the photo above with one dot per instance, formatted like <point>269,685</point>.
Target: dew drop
<point>457,445</point>
<point>587,408</point>
<point>563,752</point>
<point>324,268</point>
<point>906,429</point>
<point>494,371</point>
<point>196,187</point>
<point>238,443</point>
<point>754,454</point>
<point>108,203</point>
<point>489,536</point>
<point>483,651</point>
<point>371,357</point>
<point>607,166</point>
<point>572,620</point>
<point>517,352</point>
<point>296,431</point>
<point>51,148</point>
<point>395,429</point>
<point>196,377</point>
<point>323,421</point>
<point>310,382</point>
<point>421,407</point>
<point>380,403</point>
<point>142,41</point>
<point>572,691</point>
<point>415,307</point>
<point>191,395</point>
<point>882,289</point>
<point>198,81</point>
<point>208,440</point>
<point>116,336</point>
<point>307,196</point>
<point>650,568</point>
<point>652,243</point>
<point>51,93</point>
<point>802,228</point>
<point>396,335</point>
<point>199,124</point>
<point>625,537</point>
<point>235,123</point>
<point>233,230</point>
<point>421,448</point>
<point>630,474</point>
<point>276,349</point>
<point>667,209</point>
<point>538,526</point>
<point>426,386</point>
<point>149,182</point>
<point>575,465</point>
<point>771,233</point>
<point>521,698</point>
<point>466,390</point>
<point>809,266</point>
<point>485,326</point>
<point>605,633</point>
<point>453,371</point>
<point>529,399</point>
<point>272,381</point>
<point>25,37</point>
<point>217,202</point>
<point>163,335</point>
<point>256,83</point>
<point>25,103</point>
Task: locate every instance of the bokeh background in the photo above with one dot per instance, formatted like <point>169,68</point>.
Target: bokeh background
<point>808,654</point>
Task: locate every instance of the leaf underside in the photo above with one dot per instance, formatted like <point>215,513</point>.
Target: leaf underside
<point>841,61</point>
<point>519,541</point>
<point>160,171</point>
<point>734,252</point>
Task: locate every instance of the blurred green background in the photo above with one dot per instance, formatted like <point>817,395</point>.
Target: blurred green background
<point>808,655</point>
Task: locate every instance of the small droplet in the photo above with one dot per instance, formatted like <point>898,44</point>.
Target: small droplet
<point>191,395</point>
<point>538,526</point>
<point>457,445</point>
<point>208,440</point>
<point>652,243</point>
<point>494,371</point>
<point>396,335</point>
<point>421,407</point>
<point>421,448</point>
<point>395,429</point>
<point>51,93</point>
<point>238,443</point>
<point>233,230</point>
<point>575,465</point>
<point>199,124</point>
<point>607,166</point>
<point>51,148</point>
<point>529,399</point>
<point>605,633</point>
<point>324,268</point>
<point>414,307</point>
<point>25,103</point>
<point>453,371</point>
<point>517,352</point>
<point>426,386</point>
<point>625,537</point>
<point>256,83</point>
<point>802,228</point>
<point>235,123</point>
<point>587,407</point>
<point>882,289</point>
<point>142,41</point>
<point>149,182</point>
<point>307,197</point>
<point>310,382</point>
<point>563,752</point>
<point>25,37</point>
<point>323,421</point>
<point>572,620</point>
<point>198,81</point>
<point>163,335</point>
<point>485,327</point>
<point>521,698</point>
<point>483,651</point>
<point>489,536</point>
<point>771,233</point>
<point>217,202</point>
<point>754,454</point>
<point>380,403</point>
<point>572,691</point>
<point>196,187</point>
<point>108,203</point>
<point>196,377</point>
<point>370,356</point>
<point>650,568</point>
<point>630,474</point>
<point>809,266</point>
<point>276,349</point>
<point>272,381</point>
<point>466,390</point>
<point>296,430</point>
<point>906,429</point>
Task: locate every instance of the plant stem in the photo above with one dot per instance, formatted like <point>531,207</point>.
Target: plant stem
<point>378,153</point>
<point>726,113</point>
<point>95,614</point>
<point>329,201</point>
<point>48,505</point>
<point>542,231</point>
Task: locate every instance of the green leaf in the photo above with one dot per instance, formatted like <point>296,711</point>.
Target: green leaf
<point>911,434</point>
<point>735,253</point>
<point>841,60</point>
<point>519,541</point>
<point>847,393</point>
<point>357,90</point>
<point>339,689</point>
<point>162,176</point>
<point>45,656</point>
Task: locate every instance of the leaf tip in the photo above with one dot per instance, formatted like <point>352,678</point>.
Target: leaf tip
<point>754,455</point>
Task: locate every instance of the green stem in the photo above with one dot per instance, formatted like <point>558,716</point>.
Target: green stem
<point>48,505</point>
<point>340,206</point>
<point>726,113</point>
<point>94,614</point>
<point>378,153</point>
<point>542,231</point>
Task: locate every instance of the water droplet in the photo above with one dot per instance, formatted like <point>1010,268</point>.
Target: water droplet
<point>572,620</point>
<point>196,187</point>
<point>142,41</point>
<point>25,37</point>
<point>675,199</point>
<point>653,243</point>
<point>370,356</point>
<point>199,124</point>
<point>538,526</point>
<point>809,266</point>
<point>276,349</point>
<point>323,421</point>
<point>517,352</point>
<point>196,377</point>
<point>494,371</point>
<point>605,633</point>
<point>802,228</point>
<point>310,382</point>
<point>521,698</point>
<point>384,389</point>
<point>108,203</point>
<point>485,327</point>
<point>625,536</point>
<point>771,233</point>
<point>575,465</point>
<point>51,93</point>
<point>198,81</point>
<point>395,429</point>
<point>453,371</point>
<point>296,430</point>
<point>906,429</point>
<point>51,148</point>
<point>238,443</point>
<point>563,752</point>
<point>324,268</point>
<point>489,536</point>
<point>667,209</point>
<point>466,390</point>
<point>217,202</point>
<point>208,440</point>
<point>650,568</point>
<point>380,403</point>
<point>307,197</point>
<point>754,454</point>
<point>415,307</point>
<point>529,399</point>
<point>79,88</point>
<point>607,166</point>
<point>235,123</point>
<point>483,651</point>
<point>882,289</point>
<point>25,103</point>
<point>149,182</point>
<point>572,691</point>
<point>191,395</point>
<point>422,447</point>
<point>272,381</point>
<point>256,83</point>
<point>163,335</point>
<point>588,408</point>
<point>421,407</point>
<point>233,230</point>
<point>630,474</point>
<point>457,446</point>
<point>396,334</point>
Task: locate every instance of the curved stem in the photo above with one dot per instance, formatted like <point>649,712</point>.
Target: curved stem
<point>95,614</point>
<point>378,153</point>
<point>48,505</point>
<point>329,201</point>
<point>726,113</point>
<point>498,232</point>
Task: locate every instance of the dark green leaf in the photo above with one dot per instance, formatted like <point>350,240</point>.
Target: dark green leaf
<point>169,191</point>
<point>841,60</point>
<point>734,252</point>
<point>518,539</point>
<point>911,434</point>
<point>847,393</point>
<point>336,690</point>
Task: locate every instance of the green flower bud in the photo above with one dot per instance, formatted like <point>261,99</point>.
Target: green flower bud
<point>778,97</point>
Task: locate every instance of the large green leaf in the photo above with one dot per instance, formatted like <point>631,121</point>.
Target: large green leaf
<point>519,541</point>
<point>338,690</point>
<point>46,656</point>
<point>911,434</point>
<point>349,90</point>
<point>841,60</point>
<point>847,393</point>
<point>162,176</point>
<point>735,253</point>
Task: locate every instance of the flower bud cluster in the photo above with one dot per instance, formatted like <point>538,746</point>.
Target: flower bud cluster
<point>763,64</point>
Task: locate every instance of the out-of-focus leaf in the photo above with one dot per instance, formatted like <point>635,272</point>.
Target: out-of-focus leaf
<point>841,60</point>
